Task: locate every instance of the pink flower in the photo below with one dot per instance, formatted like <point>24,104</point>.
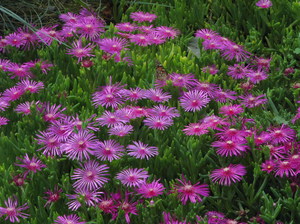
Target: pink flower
<point>128,207</point>
<point>60,130</point>
<point>3,121</point>
<point>51,145</point>
<point>238,71</point>
<point>268,166</point>
<point>150,190</point>
<point>183,80</point>
<point>52,112</point>
<point>140,150</point>
<point>213,122</point>
<point>164,111</point>
<point>167,32</point>
<point>109,150</point>
<point>206,34</point>
<point>233,51</point>
<point>79,51</point>
<point>113,45</point>
<point>134,94</point>
<point>283,134</point>
<point>284,167</point>
<point>157,95</point>
<point>52,196</point>
<point>31,164</point>
<point>194,100</point>
<point>229,147</point>
<point>208,88</point>
<point>80,145</point>
<point>12,94</point>
<point>132,177</point>
<point>140,39</point>
<point>227,175</point>
<point>251,101</point>
<point>212,69</point>
<point>110,119</point>
<point>88,197</point>
<point>224,95</point>
<point>257,76</point>
<point>186,191</point>
<point>126,27</point>
<point>142,17</point>
<point>90,27</point>
<point>264,4</point>
<point>196,129</point>
<point>68,219</point>
<point>231,110</point>
<point>91,176</point>
<point>156,122</point>
<point>24,108</point>
<point>31,86</point>
<point>120,130</point>
<point>12,211</point>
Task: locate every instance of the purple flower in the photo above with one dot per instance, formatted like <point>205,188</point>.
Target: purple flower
<point>140,150</point>
<point>132,177</point>
<point>227,175</point>
<point>194,100</point>
<point>90,198</point>
<point>68,219</point>
<point>264,4</point>
<point>33,164</point>
<point>109,150</point>
<point>12,211</point>
<point>150,190</point>
<point>142,17</point>
<point>157,122</point>
<point>91,176</point>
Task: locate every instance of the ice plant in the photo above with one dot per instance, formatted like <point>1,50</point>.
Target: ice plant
<point>150,190</point>
<point>32,164</point>
<point>142,17</point>
<point>52,196</point>
<point>140,150</point>
<point>228,175</point>
<point>109,150</point>
<point>187,191</point>
<point>90,176</point>
<point>79,51</point>
<point>194,100</point>
<point>264,4</point>
<point>88,197</point>
<point>157,122</point>
<point>68,219</point>
<point>12,211</point>
<point>132,177</point>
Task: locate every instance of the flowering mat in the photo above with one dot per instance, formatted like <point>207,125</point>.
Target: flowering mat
<point>182,112</point>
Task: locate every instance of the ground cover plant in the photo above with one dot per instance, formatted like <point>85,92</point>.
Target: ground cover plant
<point>171,112</point>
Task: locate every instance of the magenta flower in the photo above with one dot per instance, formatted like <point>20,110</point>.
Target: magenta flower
<point>91,176</point>
<point>234,134</point>
<point>12,211</point>
<point>196,129</point>
<point>208,88</point>
<point>211,69</point>
<point>183,80</point>
<point>79,51</point>
<point>60,130</point>
<point>113,45</point>
<point>3,121</point>
<point>68,219</point>
<point>140,39</point>
<point>283,134</point>
<point>90,27</point>
<point>156,38</point>
<point>206,34</point>
<point>109,150</point>
<point>213,122</point>
<point>24,108</point>
<point>12,93</point>
<point>186,191</point>
<point>52,112</point>
<point>284,167</point>
<point>194,100</point>
<point>120,130</point>
<point>264,4</point>
<point>51,145</point>
<point>231,110</point>
<point>167,32</point>
<point>224,95</point>
<point>80,145</point>
<point>230,147</point>
<point>90,198</point>
<point>134,94</point>
<point>164,111</point>
<point>107,205</point>
<point>257,76</point>
<point>132,177</point>
<point>3,103</point>
<point>126,27</point>
<point>156,122</point>
<point>268,166</point>
<point>128,207</point>
<point>227,175</point>
<point>52,196</point>
<point>142,17</point>
<point>30,85</point>
<point>110,119</point>
<point>233,51</point>
<point>150,190</point>
<point>157,95</point>
<point>251,101</point>
<point>140,150</point>
<point>33,164</point>
<point>238,71</point>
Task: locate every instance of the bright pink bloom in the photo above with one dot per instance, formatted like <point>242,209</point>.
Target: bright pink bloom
<point>164,111</point>
<point>167,32</point>
<point>126,27</point>
<point>224,95</point>
<point>12,94</point>
<point>90,27</point>
<point>183,80</point>
<point>80,145</point>
<point>233,51</point>
<point>60,130</point>
<point>212,44</point>
<point>91,176</point>
<point>251,101</point>
<point>120,130</point>
<point>196,129</point>
<point>268,166</point>
<point>109,150</point>
<point>24,108</point>
<point>284,167</point>
<point>110,119</point>
<point>227,175</point>
<point>206,34</point>
<point>156,122</point>
<point>134,94</point>
<point>156,38</point>
<point>230,147</point>
<point>88,197</point>
<point>208,88</point>
<point>52,112</point>
<point>140,150</point>
<point>157,95</point>
<point>212,69</point>
<point>186,191</point>
<point>30,85</point>
<point>231,110</point>
<point>128,207</point>
<point>52,196</point>
<point>33,164</point>
<point>12,211</point>
<point>264,4</point>
<point>234,134</point>
<point>238,71</point>
<point>113,45</point>
<point>257,76</point>
<point>150,190</point>
<point>194,100</point>
<point>213,122</point>
<point>132,177</point>
<point>142,17</point>
<point>140,39</point>
<point>68,219</point>
<point>51,145</point>
<point>79,51</point>
<point>283,134</point>
<point>3,121</point>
